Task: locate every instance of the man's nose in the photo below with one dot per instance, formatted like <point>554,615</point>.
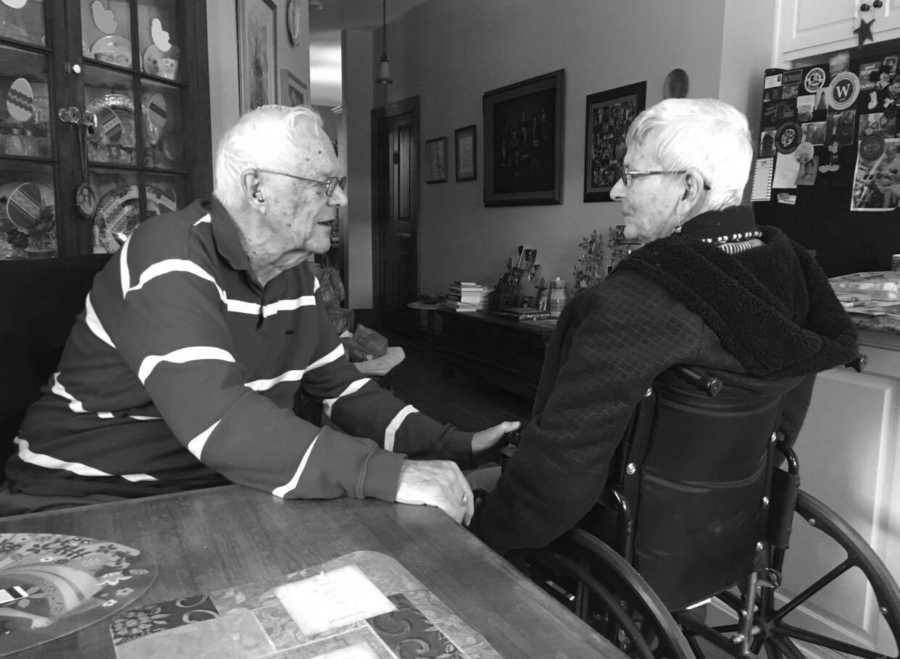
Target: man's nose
<point>618,190</point>
<point>338,197</point>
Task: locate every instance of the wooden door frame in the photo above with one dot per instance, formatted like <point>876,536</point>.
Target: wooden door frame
<point>379,183</point>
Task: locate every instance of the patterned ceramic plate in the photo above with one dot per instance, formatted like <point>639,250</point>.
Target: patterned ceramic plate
<point>68,582</point>
<point>112,49</point>
<point>118,214</point>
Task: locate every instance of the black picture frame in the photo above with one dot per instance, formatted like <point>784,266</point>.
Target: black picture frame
<point>436,160</point>
<point>607,117</point>
<point>257,50</point>
<point>465,151</point>
<point>523,141</point>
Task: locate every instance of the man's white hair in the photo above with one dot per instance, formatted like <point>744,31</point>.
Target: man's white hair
<point>705,134</point>
<point>289,139</point>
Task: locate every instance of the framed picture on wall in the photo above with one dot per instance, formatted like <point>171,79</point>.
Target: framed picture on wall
<point>256,53</point>
<point>523,141</point>
<point>436,160</point>
<point>608,116</point>
<point>291,90</point>
<point>465,150</point>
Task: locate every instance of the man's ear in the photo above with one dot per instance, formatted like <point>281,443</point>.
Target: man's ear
<point>252,186</point>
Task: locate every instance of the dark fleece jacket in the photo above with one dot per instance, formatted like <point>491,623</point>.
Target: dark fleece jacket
<point>764,314</point>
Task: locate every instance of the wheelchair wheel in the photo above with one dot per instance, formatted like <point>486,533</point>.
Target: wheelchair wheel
<point>775,634</point>
<point>604,590</point>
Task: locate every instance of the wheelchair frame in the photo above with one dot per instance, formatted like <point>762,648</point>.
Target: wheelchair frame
<point>598,580</point>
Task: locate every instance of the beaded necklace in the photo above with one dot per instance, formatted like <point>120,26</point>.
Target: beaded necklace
<point>732,230</point>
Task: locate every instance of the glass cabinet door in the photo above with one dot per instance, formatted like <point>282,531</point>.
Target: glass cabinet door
<point>94,116</point>
<point>132,90</point>
<point>27,204</point>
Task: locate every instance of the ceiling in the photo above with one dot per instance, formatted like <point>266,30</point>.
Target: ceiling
<point>336,15</point>
<point>326,20</point>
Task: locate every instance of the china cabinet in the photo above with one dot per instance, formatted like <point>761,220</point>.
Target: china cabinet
<point>104,120</point>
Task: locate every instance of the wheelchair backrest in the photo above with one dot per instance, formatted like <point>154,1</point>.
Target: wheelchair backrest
<point>696,475</point>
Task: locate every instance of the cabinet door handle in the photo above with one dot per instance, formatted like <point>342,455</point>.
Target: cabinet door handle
<point>74,115</point>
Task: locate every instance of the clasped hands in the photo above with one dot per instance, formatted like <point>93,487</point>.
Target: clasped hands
<point>441,483</point>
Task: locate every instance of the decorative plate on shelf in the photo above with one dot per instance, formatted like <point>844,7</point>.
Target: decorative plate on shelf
<point>159,63</point>
<point>112,49</point>
<point>118,214</point>
<point>113,140</point>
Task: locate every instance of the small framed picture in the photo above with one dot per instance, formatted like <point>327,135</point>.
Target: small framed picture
<point>292,90</point>
<point>436,160</point>
<point>465,150</point>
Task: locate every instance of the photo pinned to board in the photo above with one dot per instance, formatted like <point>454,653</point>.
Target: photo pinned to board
<point>876,179</point>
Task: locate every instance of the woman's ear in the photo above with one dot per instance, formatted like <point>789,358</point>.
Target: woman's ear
<point>694,186</point>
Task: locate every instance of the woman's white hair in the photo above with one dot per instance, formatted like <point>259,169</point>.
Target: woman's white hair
<point>705,134</point>
<point>289,139</point>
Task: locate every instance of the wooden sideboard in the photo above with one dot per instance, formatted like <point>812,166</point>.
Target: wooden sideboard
<point>504,352</point>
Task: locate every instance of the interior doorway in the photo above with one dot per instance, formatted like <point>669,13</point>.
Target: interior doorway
<point>395,149</point>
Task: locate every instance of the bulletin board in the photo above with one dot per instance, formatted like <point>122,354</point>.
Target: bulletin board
<point>827,168</point>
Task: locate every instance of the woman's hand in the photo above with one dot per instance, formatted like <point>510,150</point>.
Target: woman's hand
<point>486,439</point>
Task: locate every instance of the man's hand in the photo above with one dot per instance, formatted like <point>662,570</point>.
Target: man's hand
<point>436,483</point>
<point>489,437</point>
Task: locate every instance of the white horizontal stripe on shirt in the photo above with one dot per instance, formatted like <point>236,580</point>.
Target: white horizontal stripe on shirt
<point>390,433</point>
<point>351,389</point>
<point>282,490</point>
<point>124,273</point>
<point>74,404</point>
<point>94,324</point>
<point>332,356</point>
<point>195,446</point>
<point>254,309</point>
<point>206,219</point>
<point>168,266</point>
<point>182,356</point>
<point>264,385</point>
<point>49,462</point>
<point>138,417</point>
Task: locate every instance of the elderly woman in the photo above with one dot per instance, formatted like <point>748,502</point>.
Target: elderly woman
<point>709,289</point>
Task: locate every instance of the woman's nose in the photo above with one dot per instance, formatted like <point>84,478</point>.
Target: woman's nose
<point>618,190</point>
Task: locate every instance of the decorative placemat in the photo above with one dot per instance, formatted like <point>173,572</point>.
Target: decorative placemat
<point>363,605</point>
<point>52,585</point>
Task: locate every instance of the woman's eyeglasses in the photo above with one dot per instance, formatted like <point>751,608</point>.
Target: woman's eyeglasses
<point>628,175</point>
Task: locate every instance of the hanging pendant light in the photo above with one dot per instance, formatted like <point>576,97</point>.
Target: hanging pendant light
<point>384,64</point>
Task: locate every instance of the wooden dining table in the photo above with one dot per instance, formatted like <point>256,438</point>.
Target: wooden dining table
<point>221,537</point>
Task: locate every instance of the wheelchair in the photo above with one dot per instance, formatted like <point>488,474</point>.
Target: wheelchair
<point>684,556</point>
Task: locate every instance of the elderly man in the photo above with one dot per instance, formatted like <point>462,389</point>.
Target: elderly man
<point>181,373</point>
<point>709,289</point>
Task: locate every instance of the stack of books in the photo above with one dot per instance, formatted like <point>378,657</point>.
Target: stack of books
<point>524,313</point>
<point>468,296</point>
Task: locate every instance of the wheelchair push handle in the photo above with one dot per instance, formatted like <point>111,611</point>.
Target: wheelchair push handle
<point>857,364</point>
<point>708,384</point>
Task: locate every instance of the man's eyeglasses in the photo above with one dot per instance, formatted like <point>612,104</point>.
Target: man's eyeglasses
<point>628,175</point>
<point>330,184</point>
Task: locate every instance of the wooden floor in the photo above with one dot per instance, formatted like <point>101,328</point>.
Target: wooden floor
<point>447,393</point>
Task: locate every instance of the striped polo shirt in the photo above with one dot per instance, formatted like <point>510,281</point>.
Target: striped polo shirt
<point>181,373</point>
